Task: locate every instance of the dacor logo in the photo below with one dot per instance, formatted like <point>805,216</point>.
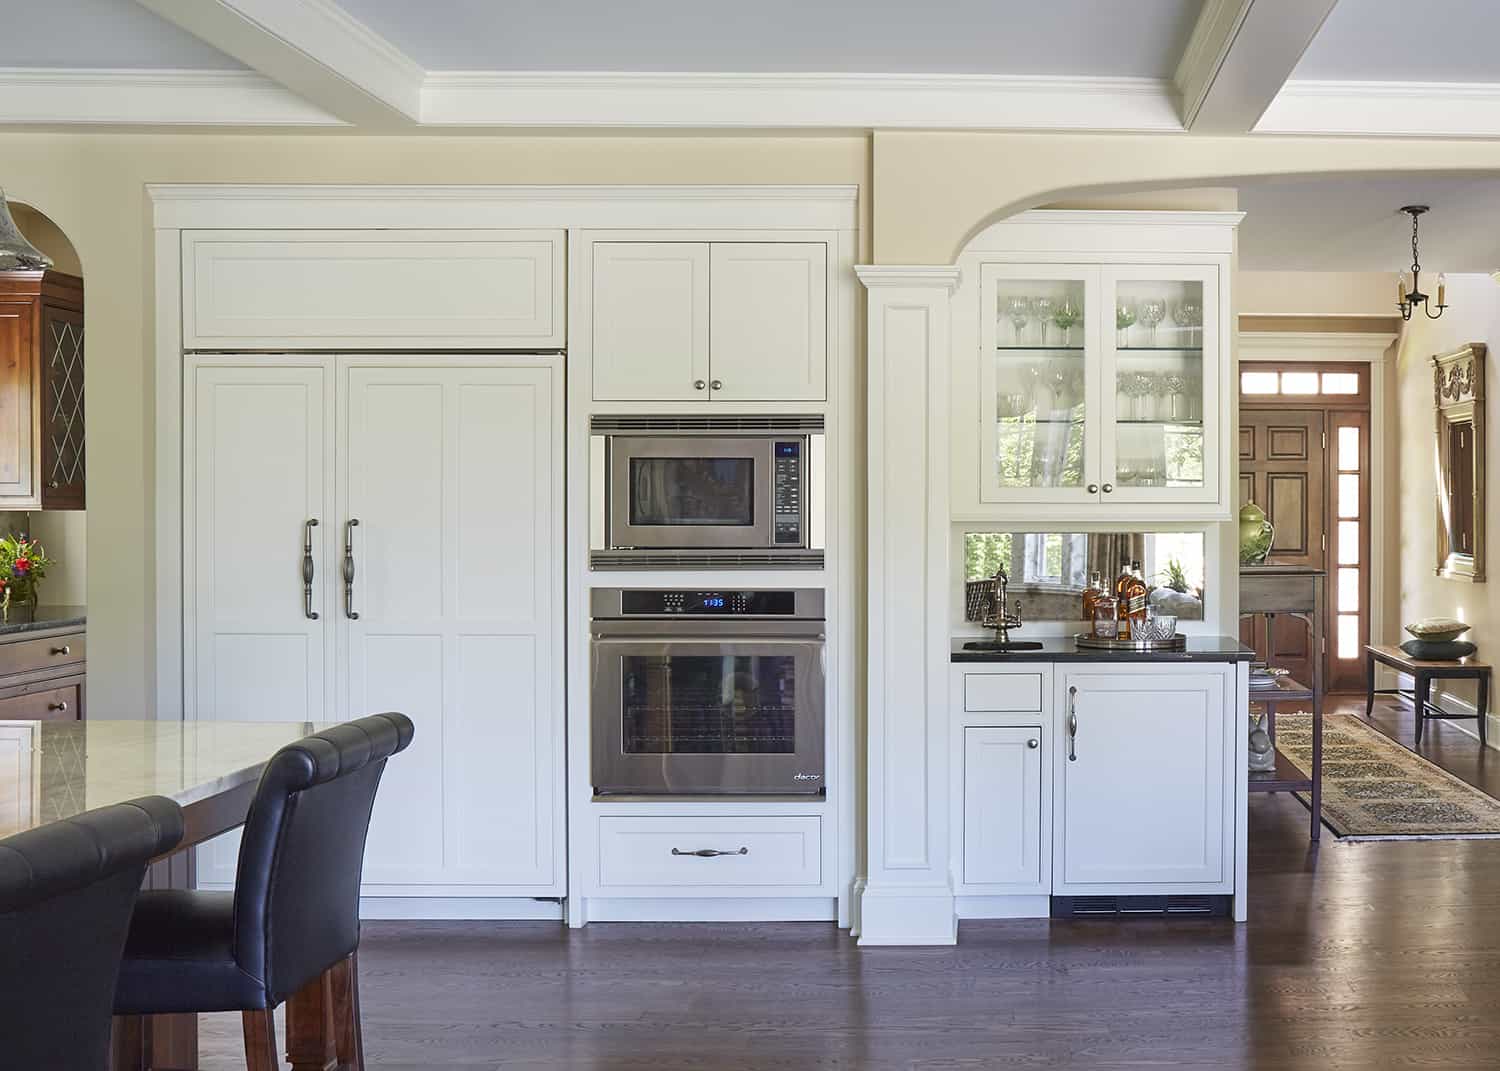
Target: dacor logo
<point>807,777</point>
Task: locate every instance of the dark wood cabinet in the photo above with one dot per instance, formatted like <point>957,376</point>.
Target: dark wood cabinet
<point>42,674</point>
<point>41,391</point>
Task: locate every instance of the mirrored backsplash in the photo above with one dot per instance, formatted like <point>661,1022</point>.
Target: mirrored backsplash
<point>1049,570</point>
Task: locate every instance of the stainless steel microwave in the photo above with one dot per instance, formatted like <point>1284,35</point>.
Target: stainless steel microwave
<point>707,492</point>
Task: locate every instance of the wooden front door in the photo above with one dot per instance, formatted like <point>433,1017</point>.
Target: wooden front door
<point>1283,470</point>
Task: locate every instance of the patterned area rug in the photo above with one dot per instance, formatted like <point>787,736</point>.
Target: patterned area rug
<point>1375,789</point>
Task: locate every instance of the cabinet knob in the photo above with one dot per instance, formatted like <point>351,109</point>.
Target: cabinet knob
<point>64,649</point>
<point>57,706</point>
<point>53,484</point>
<point>1033,743</point>
<point>1093,488</point>
<point>717,384</point>
<point>698,384</point>
<point>1108,488</point>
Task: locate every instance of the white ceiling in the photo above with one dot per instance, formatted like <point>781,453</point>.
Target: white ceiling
<point>1355,224</point>
<point>1407,41</point>
<point>99,33</point>
<point>1065,37</point>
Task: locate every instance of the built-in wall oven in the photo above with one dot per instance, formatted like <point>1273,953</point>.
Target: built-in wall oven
<point>706,492</point>
<point>707,692</point>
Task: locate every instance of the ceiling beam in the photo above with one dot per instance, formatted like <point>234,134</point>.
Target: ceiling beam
<point>312,47</point>
<point>1240,54</point>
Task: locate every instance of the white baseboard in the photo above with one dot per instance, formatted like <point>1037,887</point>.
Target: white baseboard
<point>907,915</point>
<point>1003,907</point>
<point>712,909</point>
<point>459,907</point>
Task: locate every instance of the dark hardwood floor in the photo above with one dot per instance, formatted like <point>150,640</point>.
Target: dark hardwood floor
<point>1356,956</point>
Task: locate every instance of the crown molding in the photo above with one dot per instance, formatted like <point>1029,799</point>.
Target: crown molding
<point>790,100</point>
<point>918,276</point>
<point>1315,345</point>
<point>151,98</point>
<point>273,206</point>
<point>1385,109</point>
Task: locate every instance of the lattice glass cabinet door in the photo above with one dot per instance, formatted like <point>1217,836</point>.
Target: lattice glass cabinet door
<point>1040,336</point>
<point>62,469</point>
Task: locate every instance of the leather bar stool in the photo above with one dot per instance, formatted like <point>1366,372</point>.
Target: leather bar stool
<point>66,893</point>
<point>293,917</point>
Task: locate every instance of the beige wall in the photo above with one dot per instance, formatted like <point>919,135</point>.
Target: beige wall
<point>1315,293</point>
<point>1474,316</point>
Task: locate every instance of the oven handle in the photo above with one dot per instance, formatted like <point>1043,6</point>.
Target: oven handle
<point>779,639</point>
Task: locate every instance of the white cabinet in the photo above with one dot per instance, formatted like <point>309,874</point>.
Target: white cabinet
<point>650,321</point>
<point>452,469</point>
<point>769,321</point>
<point>715,321</point>
<point>723,855</point>
<point>1091,367</point>
<point>1002,808</point>
<point>1143,779</point>
<point>373,290</point>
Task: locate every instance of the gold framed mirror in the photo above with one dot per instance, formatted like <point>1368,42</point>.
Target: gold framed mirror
<point>1458,392</point>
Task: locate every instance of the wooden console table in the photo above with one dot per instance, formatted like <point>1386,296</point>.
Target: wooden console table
<point>1423,672</point>
<point>1269,590</point>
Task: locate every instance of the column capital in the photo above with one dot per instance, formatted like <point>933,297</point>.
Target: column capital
<point>921,276</point>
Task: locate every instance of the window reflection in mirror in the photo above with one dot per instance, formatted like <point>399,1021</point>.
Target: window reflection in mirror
<point>1049,570</point>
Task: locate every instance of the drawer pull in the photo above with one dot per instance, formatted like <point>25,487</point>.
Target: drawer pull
<point>709,853</point>
<point>58,706</point>
<point>1033,743</point>
<point>64,649</point>
<point>1073,724</point>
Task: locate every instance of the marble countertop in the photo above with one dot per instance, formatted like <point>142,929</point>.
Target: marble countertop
<point>47,617</point>
<point>55,769</point>
<point>1063,649</point>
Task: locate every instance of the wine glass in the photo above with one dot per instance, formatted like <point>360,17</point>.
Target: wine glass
<point>1124,321</point>
<point>1175,386</point>
<point>1065,315</point>
<point>1019,311</point>
<point>1187,314</point>
<point>1041,311</point>
<point>1151,312</point>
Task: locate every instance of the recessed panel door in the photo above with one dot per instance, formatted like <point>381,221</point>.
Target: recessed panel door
<point>769,321</point>
<point>650,321</point>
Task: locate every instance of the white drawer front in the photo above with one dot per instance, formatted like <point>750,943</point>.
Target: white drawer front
<point>372,290</point>
<point>637,852</point>
<point>1003,691</point>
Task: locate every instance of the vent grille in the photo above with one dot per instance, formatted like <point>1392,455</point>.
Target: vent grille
<point>616,560</point>
<point>688,422</point>
<point>1072,907</point>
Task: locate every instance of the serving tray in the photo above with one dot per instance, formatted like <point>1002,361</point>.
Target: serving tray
<point>1094,643</point>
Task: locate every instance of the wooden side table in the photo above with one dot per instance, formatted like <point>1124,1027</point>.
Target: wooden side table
<point>1423,672</point>
<point>1269,590</point>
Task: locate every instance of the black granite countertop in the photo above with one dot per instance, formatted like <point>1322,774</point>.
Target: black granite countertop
<point>47,617</point>
<point>1063,649</point>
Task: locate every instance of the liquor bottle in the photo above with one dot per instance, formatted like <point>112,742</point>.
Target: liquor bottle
<point>1091,595</point>
<point>1122,598</point>
<point>1135,595</point>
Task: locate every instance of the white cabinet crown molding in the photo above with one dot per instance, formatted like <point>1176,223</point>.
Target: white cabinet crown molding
<point>944,277</point>
<point>1320,346</point>
<point>272,206</point>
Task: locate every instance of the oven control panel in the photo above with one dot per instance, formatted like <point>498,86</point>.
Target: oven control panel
<point>638,603</point>
<point>786,493</point>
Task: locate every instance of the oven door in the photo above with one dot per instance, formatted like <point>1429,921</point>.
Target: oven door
<point>681,492</point>
<point>707,715</point>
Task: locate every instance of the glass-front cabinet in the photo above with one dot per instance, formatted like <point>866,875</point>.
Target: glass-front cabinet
<point>1100,383</point>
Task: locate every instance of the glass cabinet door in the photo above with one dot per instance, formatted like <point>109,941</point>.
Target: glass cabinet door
<point>1160,384</point>
<point>1039,381</point>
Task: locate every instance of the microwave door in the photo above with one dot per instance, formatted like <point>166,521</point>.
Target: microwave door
<point>685,493</point>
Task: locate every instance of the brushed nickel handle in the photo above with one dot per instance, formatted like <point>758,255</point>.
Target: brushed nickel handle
<point>64,649</point>
<point>1108,488</point>
<point>1033,743</point>
<point>709,853</point>
<point>309,569</point>
<point>349,610</point>
<point>1093,488</point>
<point>58,706</point>
<point>1072,724</point>
<point>699,384</point>
<point>717,384</point>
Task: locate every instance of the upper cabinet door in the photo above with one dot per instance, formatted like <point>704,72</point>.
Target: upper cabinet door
<point>650,330</point>
<point>1039,383</point>
<point>372,290</point>
<point>769,321</point>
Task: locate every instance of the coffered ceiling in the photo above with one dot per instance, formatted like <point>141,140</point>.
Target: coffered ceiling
<point>1184,66</point>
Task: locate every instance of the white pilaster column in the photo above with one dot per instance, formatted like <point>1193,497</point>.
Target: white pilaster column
<point>908,892</point>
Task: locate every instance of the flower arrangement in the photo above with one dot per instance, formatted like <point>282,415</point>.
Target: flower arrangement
<point>23,563</point>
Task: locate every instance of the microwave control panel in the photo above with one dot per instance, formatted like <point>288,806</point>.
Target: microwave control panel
<point>786,500</point>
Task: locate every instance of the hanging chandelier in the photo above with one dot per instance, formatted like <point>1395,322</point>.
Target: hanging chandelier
<point>1408,300</point>
<point>15,250</point>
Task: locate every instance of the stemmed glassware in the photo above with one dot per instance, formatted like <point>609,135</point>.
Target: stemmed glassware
<point>1151,312</point>
<point>1018,309</point>
<point>1124,321</point>
<point>1174,386</point>
<point>1065,315</point>
<point>1188,314</point>
<point>1041,311</point>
